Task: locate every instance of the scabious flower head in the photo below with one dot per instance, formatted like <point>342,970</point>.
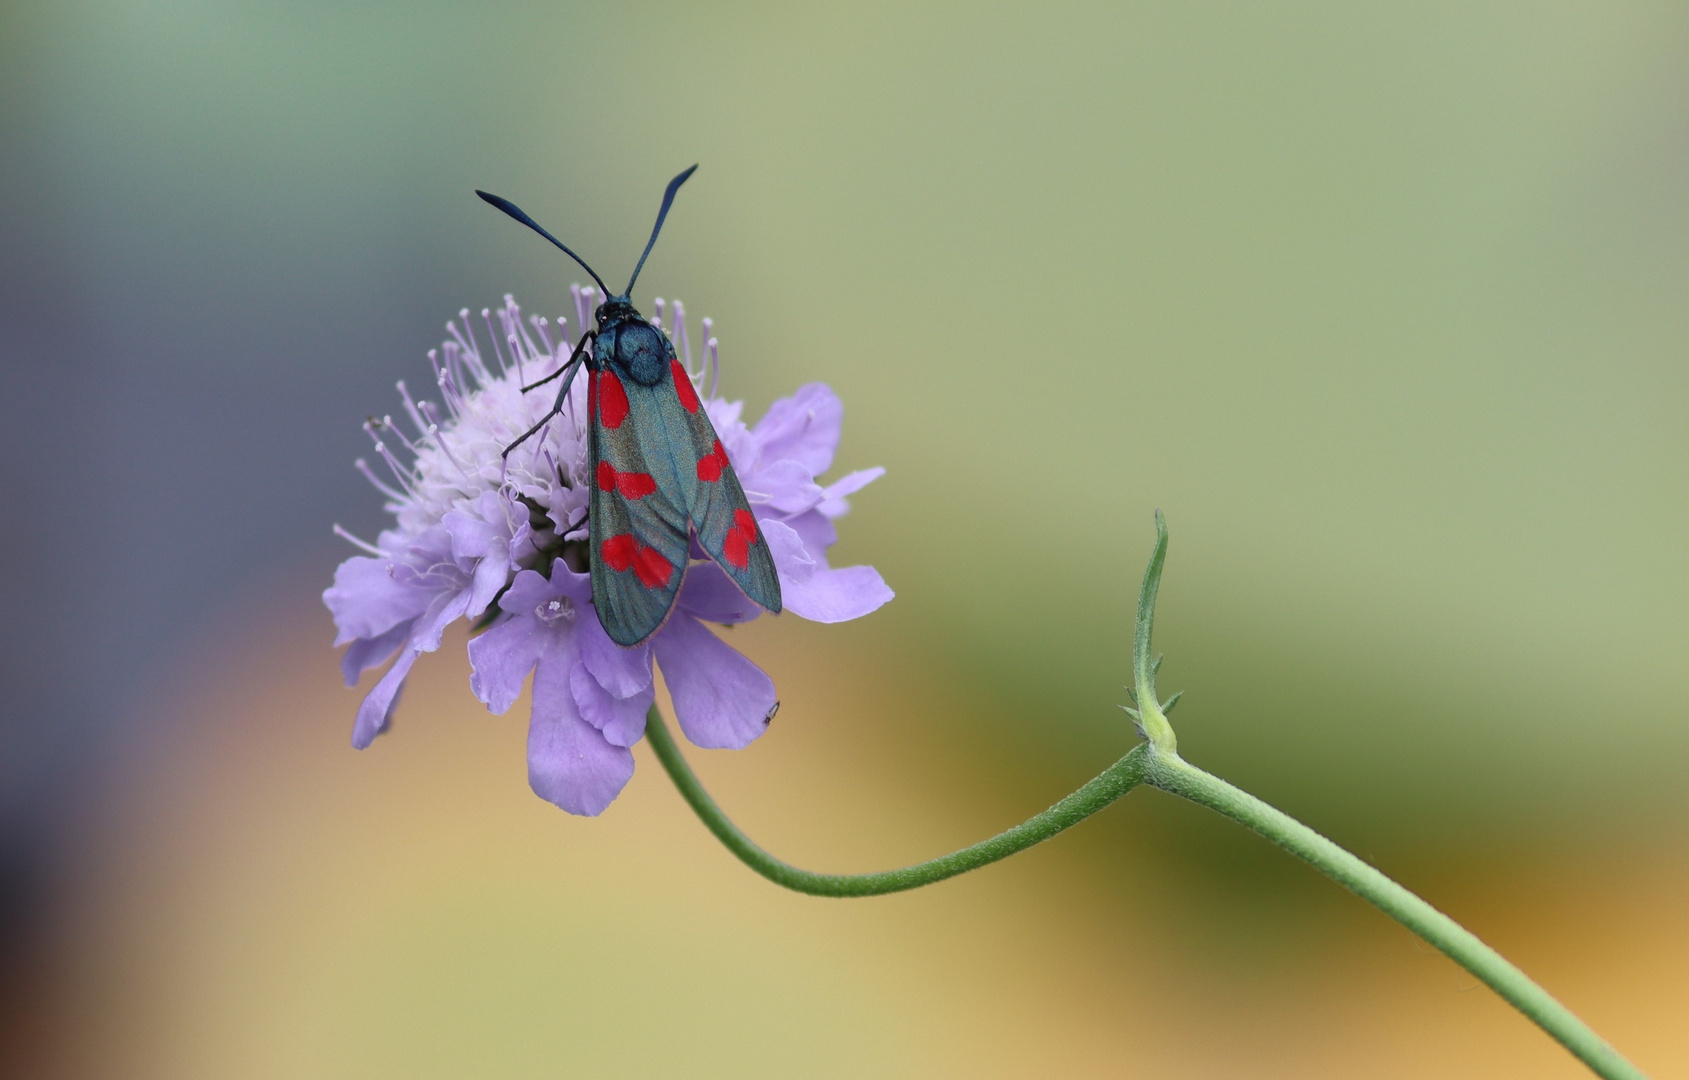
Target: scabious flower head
<point>502,541</point>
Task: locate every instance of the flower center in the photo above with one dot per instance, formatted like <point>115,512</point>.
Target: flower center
<point>557,609</point>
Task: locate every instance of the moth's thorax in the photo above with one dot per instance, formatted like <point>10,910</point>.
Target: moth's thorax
<point>633,345</point>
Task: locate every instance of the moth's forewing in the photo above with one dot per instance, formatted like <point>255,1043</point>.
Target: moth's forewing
<point>639,533</point>
<point>715,501</point>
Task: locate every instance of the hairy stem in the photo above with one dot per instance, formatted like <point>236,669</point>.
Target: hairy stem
<point>1172,773</point>
<point>1114,781</point>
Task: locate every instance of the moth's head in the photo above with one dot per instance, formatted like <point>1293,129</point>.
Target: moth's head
<point>614,310</point>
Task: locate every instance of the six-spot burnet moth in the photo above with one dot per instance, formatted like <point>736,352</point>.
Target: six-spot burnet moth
<point>659,473</point>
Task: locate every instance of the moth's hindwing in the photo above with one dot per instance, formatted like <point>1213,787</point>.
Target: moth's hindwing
<point>639,522</point>
<point>715,501</point>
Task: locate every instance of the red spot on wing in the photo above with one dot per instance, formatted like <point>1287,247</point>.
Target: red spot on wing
<point>618,551</point>
<point>612,399</point>
<point>635,485</point>
<point>653,570</point>
<point>745,523</point>
<point>683,387</point>
<point>711,464</point>
<point>735,550</point>
<point>624,552</point>
<point>736,545</point>
<point>632,485</point>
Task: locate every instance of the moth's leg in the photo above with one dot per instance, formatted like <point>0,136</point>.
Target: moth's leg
<point>580,350</point>
<point>568,372</point>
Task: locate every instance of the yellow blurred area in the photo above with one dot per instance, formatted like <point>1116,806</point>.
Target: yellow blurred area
<point>261,901</point>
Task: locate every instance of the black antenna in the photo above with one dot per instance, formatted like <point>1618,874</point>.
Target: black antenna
<point>668,197</point>
<point>516,212</point>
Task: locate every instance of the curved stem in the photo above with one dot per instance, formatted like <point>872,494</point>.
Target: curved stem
<point>1172,773</point>
<point>1158,763</point>
<point>1115,781</point>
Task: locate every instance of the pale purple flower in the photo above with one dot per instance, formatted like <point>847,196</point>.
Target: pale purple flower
<point>503,542</point>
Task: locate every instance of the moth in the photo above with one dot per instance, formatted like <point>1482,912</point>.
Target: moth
<point>660,477</point>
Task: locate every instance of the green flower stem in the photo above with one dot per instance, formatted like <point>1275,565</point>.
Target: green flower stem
<point>1115,781</point>
<point>1157,763</point>
<point>1171,773</point>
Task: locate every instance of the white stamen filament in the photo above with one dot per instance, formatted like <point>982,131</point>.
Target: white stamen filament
<point>434,433</point>
<point>400,474</point>
<point>410,408</point>
<point>487,317</point>
<point>380,485</point>
<point>442,380</point>
<point>680,338</point>
<point>371,548</point>
<point>432,412</point>
<point>467,344</point>
<point>580,307</point>
<point>715,363</point>
<point>387,422</point>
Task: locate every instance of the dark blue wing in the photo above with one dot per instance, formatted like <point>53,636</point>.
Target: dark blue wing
<point>715,501</point>
<point>640,542</point>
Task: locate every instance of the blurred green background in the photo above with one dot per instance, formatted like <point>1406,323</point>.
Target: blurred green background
<point>1387,308</point>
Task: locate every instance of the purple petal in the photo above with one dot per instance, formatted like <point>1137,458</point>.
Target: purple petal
<point>786,486</point>
<point>802,428</point>
<point>793,563</point>
<point>830,596</point>
<point>833,502</point>
<point>377,708</point>
<point>501,658</point>
<point>724,414</point>
<point>621,671</point>
<point>530,588</point>
<point>503,655</point>
<point>366,653</point>
<point>570,763</point>
<point>446,609</point>
<point>367,602</point>
<point>817,534</point>
<point>721,699</point>
<point>485,542</point>
<point>621,720</point>
<point>709,594</point>
<point>427,564</point>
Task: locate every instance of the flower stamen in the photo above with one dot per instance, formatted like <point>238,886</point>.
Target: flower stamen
<point>544,331</point>
<point>380,485</point>
<point>400,473</point>
<point>356,542</point>
<point>487,317</point>
<point>410,408</point>
<point>434,433</point>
